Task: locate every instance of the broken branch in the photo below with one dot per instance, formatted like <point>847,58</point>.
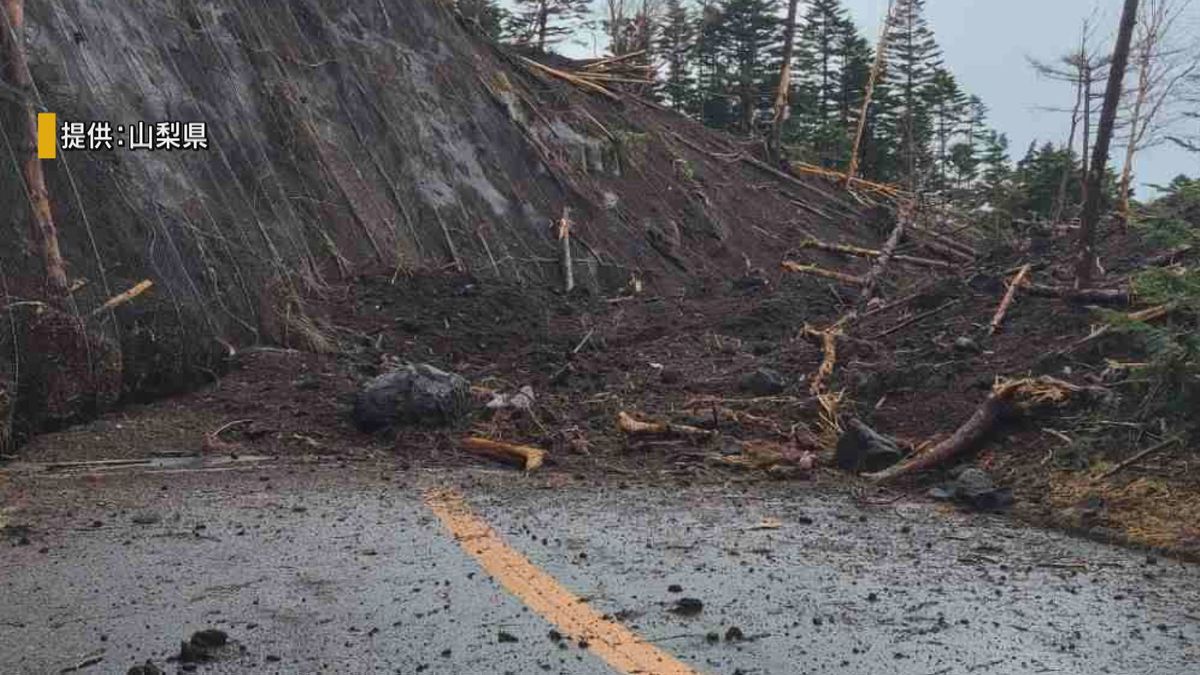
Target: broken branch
<point>122,298</point>
<point>527,457</point>
<point>1007,301</point>
<point>626,423</point>
<point>872,253</point>
<point>824,273</point>
<point>1006,398</point>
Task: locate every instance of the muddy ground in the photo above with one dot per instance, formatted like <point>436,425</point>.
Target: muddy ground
<point>684,358</point>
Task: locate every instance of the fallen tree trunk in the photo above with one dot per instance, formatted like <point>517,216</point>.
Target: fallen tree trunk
<point>626,423</point>
<point>1118,296</point>
<point>957,246</point>
<point>872,253</point>
<point>871,281</point>
<point>815,271</point>
<point>525,456</point>
<point>828,341</point>
<point>1008,298</point>
<point>942,249</point>
<point>1007,398</point>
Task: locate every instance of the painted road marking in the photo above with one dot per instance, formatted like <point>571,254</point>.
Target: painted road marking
<point>616,644</point>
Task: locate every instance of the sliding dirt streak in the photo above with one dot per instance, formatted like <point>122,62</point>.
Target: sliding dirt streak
<point>616,644</point>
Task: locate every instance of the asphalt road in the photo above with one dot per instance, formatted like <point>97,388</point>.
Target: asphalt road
<point>327,568</point>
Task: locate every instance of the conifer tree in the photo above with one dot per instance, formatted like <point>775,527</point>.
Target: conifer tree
<point>914,59</point>
<point>675,49</point>
<point>539,23</point>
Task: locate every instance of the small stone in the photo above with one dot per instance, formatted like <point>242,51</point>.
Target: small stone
<point>734,634</point>
<point>763,382</point>
<point>504,636</point>
<point>674,588</point>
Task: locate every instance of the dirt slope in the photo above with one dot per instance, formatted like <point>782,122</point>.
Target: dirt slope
<point>350,138</point>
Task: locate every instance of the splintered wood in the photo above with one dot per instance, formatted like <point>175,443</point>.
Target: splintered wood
<point>629,425</point>
<point>848,249</point>
<point>828,341</point>
<point>526,457</point>
<point>1008,298</point>
<point>1007,397</point>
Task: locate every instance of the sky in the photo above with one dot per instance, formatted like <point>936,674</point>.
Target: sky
<point>986,45</point>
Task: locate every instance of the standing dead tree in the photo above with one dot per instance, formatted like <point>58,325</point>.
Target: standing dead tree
<point>1162,68</point>
<point>783,106</point>
<point>1108,116</point>
<point>1081,68</point>
<point>41,219</point>
<point>872,80</point>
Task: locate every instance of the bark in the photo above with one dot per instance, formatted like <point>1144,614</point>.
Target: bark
<point>871,280</point>
<point>824,273</point>
<point>527,457</point>
<point>1108,115</point>
<point>1007,301</point>
<point>629,425</point>
<point>1098,295</point>
<point>782,104</point>
<point>876,68</point>
<point>41,219</point>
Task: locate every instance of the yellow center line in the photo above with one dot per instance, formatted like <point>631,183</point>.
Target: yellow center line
<point>616,644</point>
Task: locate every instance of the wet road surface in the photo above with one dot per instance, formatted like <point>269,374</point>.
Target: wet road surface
<point>347,569</point>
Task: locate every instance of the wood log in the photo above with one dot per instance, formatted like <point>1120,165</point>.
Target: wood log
<point>527,457</point>
<point>1007,301</point>
<point>629,425</point>
<point>1117,296</point>
<point>564,236</point>
<point>568,77</point>
<point>960,248</point>
<point>1006,398</point>
<point>41,219</point>
<point>872,253</point>
<point>815,271</point>
<point>871,280</point>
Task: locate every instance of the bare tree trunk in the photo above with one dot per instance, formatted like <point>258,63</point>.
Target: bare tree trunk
<point>1108,116</point>
<point>783,106</point>
<point>1145,57</point>
<point>1060,199</point>
<point>41,220</point>
<point>872,79</point>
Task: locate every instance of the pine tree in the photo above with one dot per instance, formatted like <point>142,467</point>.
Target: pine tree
<point>914,59</point>
<point>675,47</point>
<point>489,17</point>
<point>749,33</point>
<point>947,111</point>
<point>542,22</point>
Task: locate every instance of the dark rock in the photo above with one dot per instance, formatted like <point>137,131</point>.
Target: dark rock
<point>974,487</point>
<point>713,637</point>
<point>763,382</point>
<point>734,634</point>
<point>147,668</point>
<point>966,344</point>
<point>413,394</point>
<point>687,607</point>
<point>670,376</point>
<point>861,448</point>
<point>674,588</point>
<point>504,636</point>
<point>204,645</point>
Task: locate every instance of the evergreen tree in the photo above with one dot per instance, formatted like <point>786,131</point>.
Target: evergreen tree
<point>542,22</point>
<point>488,16</point>
<point>947,111</point>
<point>675,47</point>
<point>748,35</point>
<point>913,61</point>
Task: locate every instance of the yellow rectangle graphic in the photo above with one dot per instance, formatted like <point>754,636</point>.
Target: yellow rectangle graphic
<point>47,136</point>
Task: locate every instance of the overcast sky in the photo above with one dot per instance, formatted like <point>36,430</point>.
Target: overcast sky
<point>986,43</point>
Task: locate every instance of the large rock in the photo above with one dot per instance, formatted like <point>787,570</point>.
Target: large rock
<point>861,448</point>
<point>975,488</point>
<point>413,394</point>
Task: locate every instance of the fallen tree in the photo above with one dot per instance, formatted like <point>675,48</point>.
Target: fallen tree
<point>628,424</point>
<point>1008,398</point>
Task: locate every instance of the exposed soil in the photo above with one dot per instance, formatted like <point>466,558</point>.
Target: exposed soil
<point>682,358</point>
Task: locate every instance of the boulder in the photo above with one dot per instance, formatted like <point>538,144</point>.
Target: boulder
<point>763,382</point>
<point>974,487</point>
<point>416,394</point>
<point>861,448</point>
